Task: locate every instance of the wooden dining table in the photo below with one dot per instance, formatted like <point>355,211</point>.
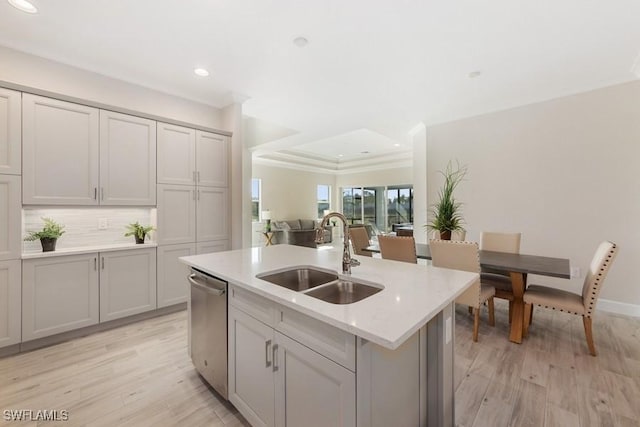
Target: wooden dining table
<point>518,266</point>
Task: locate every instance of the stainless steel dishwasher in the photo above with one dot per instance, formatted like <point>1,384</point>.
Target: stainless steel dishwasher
<point>209,329</point>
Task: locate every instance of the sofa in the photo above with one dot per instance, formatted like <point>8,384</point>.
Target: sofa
<point>299,232</point>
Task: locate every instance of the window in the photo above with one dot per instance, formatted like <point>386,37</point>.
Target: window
<point>256,198</point>
<point>399,205</point>
<point>324,199</point>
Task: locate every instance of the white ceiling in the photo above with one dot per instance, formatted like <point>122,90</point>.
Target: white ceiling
<point>370,66</point>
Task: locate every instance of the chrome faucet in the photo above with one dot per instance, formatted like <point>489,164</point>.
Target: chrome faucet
<point>347,261</point>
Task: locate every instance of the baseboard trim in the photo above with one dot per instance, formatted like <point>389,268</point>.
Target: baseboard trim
<point>618,307</point>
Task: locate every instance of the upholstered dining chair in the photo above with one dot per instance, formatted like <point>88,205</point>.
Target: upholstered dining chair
<point>459,255</point>
<point>582,305</point>
<point>359,240</point>
<point>501,281</point>
<point>398,248</point>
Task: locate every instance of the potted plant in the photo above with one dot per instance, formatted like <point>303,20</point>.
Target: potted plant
<point>138,231</point>
<point>446,215</point>
<point>48,235</point>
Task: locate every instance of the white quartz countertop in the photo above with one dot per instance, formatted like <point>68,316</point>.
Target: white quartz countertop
<point>413,294</point>
<point>88,249</point>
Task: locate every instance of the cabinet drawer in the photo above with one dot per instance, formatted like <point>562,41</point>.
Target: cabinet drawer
<point>254,305</point>
<point>331,342</point>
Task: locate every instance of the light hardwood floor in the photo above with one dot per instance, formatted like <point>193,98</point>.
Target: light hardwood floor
<point>140,375</point>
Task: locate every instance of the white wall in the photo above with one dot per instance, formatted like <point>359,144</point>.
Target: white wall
<point>380,178</point>
<point>289,193</point>
<point>36,72</point>
<point>563,172</point>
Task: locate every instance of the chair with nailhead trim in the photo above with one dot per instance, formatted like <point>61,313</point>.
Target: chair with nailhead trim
<point>582,305</point>
<point>398,248</point>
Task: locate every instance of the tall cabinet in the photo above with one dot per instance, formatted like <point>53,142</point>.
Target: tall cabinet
<point>10,216</point>
<point>192,201</point>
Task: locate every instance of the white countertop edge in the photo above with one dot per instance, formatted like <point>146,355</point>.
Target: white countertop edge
<point>88,250</point>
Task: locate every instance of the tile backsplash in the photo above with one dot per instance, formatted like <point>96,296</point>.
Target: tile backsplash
<point>81,225</point>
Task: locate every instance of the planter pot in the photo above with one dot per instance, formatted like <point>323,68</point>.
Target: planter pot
<point>48,244</point>
<point>445,235</point>
<point>140,241</point>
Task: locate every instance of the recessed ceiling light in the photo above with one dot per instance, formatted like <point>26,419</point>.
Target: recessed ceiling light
<point>364,152</point>
<point>300,41</point>
<point>23,5</point>
<point>339,155</point>
<point>201,72</point>
<point>396,145</point>
<point>474,74</point>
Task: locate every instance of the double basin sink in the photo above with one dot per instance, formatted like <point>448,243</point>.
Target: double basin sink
<point>321,284</point>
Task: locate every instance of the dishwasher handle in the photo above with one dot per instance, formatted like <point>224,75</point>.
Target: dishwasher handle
<point>204,287</point>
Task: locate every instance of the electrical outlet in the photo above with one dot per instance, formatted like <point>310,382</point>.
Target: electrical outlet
<point>103,223</point>
<point>575,272</point>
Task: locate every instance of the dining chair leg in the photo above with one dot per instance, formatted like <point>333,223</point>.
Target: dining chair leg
<point>476,322</point>
<point>531,315</point>
<point>527,319</point>
<point>587,321</point>
<point>470,310</point>
<point>492,315</point>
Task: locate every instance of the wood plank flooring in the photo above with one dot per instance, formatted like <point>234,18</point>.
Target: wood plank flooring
<point>141,375</point>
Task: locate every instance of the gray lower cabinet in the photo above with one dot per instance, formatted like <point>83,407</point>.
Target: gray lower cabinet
<point>127,283</point>
<point>277,381</point>
<point>10,278</point>
<point>173,287</point>
<point>62,293</point>
<point>59,294</point>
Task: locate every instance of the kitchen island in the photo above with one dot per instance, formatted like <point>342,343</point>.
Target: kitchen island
<point>298,360</point>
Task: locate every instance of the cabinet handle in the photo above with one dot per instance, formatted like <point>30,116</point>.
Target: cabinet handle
<point>95,264</point>
<point>267,350</point>
<point>101,193</point>
<point>103,263</point>
<point>95,193</point>
<point>198,194</point>
<point>198,174</point>
<point>194,176</point>
<point>275,357</point>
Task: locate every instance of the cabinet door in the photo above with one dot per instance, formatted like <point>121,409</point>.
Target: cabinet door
<point>211,217</point>
<point>176,214</point>
<point>212,162</point>
<point>10,287</point>
<point>10,132</point>
<point>127,160</point>
<point>210,247</point>
<point>251,368</point>
<point>60,152</point>
<point>59,294</point>
<point>173,287</point>
<point>311,390</point>
<point>10,217</point>
<point>127,283</point>
<point>176,155</point>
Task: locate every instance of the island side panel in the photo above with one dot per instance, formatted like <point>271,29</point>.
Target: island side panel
<point>440,363</point>
<point>388,384</point>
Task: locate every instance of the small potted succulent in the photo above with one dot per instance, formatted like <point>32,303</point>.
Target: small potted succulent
<point>48,235</point>
<point>138,231</point>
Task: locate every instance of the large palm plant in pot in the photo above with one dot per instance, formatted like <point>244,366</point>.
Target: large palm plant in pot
<point>446,214</point>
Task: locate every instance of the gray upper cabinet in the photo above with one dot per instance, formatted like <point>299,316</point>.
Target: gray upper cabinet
<point>212,162</point>
<point>127,160</point>
<point>60,152</point>
<point>10,132</point>
<point>176,155</point>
